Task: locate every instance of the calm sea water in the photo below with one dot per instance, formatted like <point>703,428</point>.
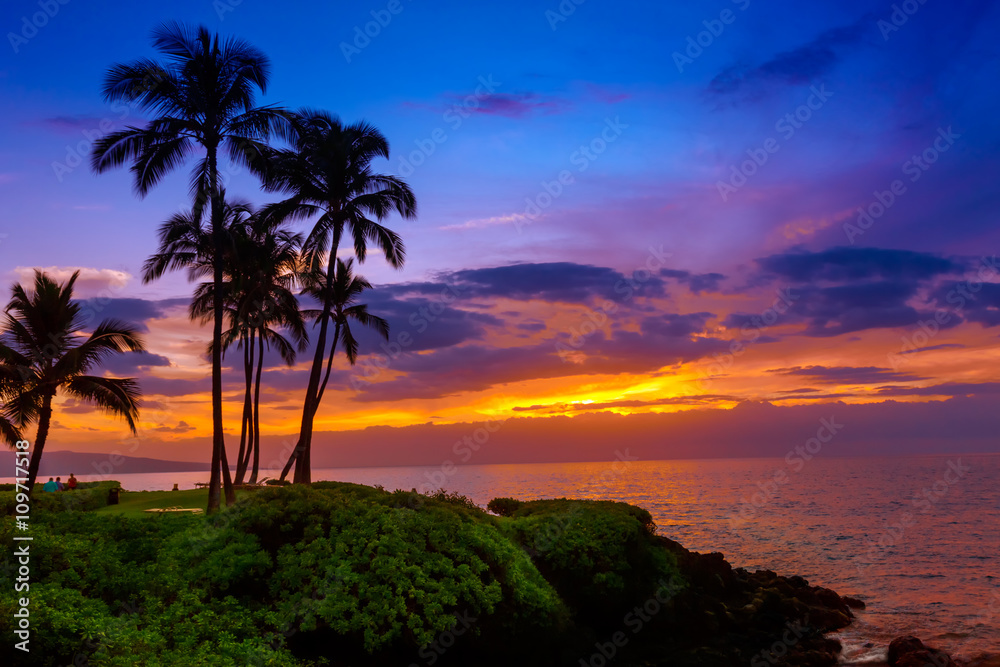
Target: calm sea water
<point>917,538</point>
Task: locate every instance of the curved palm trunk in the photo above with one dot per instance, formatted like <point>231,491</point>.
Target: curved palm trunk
<point>244,454</point>
<point>255,445</point>
<point>302,455</point>
<point>44,419</point>
<point>218,438</point>
<point>329,361</point>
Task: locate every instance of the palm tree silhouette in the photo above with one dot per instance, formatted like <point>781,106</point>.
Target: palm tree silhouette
<point>203,95</point>
<point>259,280</point>
<point>341,295</point>
<point>186,244</point>
<point>43,351</point>
<point>327,172</point>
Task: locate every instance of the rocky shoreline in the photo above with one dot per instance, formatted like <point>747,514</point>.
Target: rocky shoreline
<point>729,616</point>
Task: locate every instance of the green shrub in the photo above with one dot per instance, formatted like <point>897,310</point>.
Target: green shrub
<point>601,556</point>
<point>504,506</point>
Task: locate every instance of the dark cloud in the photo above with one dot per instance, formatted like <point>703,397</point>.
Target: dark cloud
<point>943,346</point>
<point>561,282</point>
<point>953,389</point>
<point>132,311</point>
<point>798,66</point>
<point>181,427</point>
<point>831,311</point>
<point>977,302</point>
<point>848,374</point>
<point>516,105</point>
<point>696,282</point>
<point>129,363</point>
<point>855,264</point>
<point>676,325</point>
<point>507,105</point>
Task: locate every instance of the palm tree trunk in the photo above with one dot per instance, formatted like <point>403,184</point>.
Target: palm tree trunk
<point>44,419</point>
<point>329,362</point>
<point>241,465</point>
<point>215,206</point>
<point>256,414</point>
<point>300,453</point>
<point>303,452</point>
<point>227,481</point>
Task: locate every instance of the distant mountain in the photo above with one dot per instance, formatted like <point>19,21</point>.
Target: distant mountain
<point>94,463</point>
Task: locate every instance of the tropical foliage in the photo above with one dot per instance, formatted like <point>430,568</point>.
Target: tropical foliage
<point>44,350</point>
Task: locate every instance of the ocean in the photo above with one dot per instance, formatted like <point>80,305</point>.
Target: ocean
<point>917,538</point>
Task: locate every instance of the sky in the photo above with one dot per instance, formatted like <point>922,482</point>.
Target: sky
<point>661,219</point>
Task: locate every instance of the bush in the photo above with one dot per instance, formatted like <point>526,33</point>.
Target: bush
<point>87,496</point>
<point>300,576</point>
<point>504,506</point>
<point>600,556</point>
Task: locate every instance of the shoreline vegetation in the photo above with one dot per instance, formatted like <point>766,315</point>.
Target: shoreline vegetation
<point>343,574</point>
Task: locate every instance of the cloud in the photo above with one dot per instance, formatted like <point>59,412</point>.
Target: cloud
<point>181,427</point>
<point>480,223</point>
<point>696,282</point>
<point>954,389</point>
<point>561,282</point>
<point>848,374</point>
<point>798,66</point>
<point>511,105</point>
<point>91,282</point>
<point>70,124</point>
<point>664,340</point>
<point>943,346</point>
<point>976,302</point>
<point>127,364</point>
<point>133,311</point>
<point>842,264</point>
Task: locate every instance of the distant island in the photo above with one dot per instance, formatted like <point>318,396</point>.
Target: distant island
<point>89,463</point>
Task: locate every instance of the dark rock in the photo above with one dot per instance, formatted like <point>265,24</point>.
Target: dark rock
<point>853,603</point>
<point>909,651</point>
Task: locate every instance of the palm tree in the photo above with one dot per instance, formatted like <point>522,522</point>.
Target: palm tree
<point>185,243</point>
<point>327,172</point>
<point>43,351</point>
<point>341,294</point>
<point>260,276</point>
<point>202,95</point>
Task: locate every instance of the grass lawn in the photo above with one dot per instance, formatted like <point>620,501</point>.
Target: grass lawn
<point>134,503</point>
